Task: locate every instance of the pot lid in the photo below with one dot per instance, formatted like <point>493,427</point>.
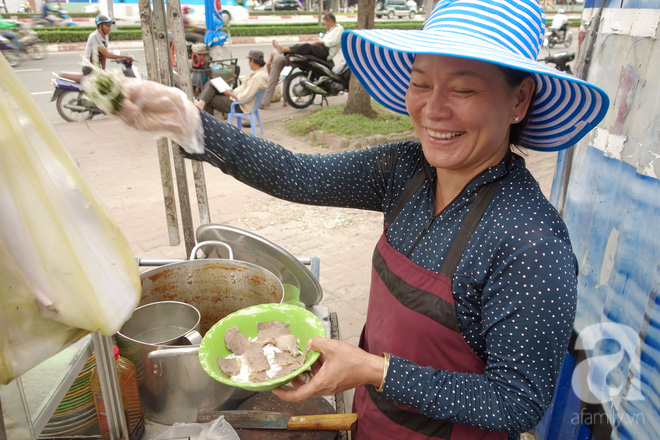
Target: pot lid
<point>256,249</point>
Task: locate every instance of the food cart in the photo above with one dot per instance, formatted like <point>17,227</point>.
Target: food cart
<point>53,399</point>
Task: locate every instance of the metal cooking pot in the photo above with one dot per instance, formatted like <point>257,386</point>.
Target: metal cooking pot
<point>173,386</point>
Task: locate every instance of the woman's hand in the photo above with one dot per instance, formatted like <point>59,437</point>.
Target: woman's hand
<point>340,367</point>
<point>163,111</point>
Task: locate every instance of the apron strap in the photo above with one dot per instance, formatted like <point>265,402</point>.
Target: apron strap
<point>467,228</point>
<point>411,188</point>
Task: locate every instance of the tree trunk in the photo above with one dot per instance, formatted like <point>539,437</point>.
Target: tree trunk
<point>359,101</point>
<point>428,7</point>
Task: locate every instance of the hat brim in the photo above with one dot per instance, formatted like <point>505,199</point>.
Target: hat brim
<point>564,108</point>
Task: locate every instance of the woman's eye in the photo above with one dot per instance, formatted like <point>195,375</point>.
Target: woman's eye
<point>418,85</point>
<point>463,91</point>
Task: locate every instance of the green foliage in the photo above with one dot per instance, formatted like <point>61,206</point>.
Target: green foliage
<point>332,120</point>
<point>77,34</point>
<point>13,15</point>
<point>80,34</point>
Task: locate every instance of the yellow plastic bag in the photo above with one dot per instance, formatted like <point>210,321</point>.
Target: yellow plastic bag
<point>65,267</point>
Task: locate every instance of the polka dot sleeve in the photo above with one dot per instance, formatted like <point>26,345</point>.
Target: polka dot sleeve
<point>355,179</point>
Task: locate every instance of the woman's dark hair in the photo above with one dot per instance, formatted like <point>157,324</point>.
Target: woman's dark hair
<point>515,78</point>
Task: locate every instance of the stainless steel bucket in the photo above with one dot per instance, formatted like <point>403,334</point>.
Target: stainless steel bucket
<point>173,385</point>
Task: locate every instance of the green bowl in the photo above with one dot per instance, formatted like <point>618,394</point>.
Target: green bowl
<point>303,324</point>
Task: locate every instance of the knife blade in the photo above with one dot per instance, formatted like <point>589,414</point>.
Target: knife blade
<point>254,419</point>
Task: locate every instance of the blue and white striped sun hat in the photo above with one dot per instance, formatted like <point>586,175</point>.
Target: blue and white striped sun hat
<point>503,32</point>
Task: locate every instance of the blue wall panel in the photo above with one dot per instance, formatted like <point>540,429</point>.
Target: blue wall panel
<point>613,214</point>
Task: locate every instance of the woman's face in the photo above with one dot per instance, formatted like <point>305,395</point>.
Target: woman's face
<point>461,109</point>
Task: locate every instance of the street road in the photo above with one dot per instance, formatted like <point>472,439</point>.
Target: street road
<point>36,74</point>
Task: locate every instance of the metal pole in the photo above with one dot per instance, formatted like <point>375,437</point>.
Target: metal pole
<point>171,216</point>
<point>165,73</point>
<point>185,76</point>
<point>584,62</point>
<point>3,432</point>
<point>107,371</point>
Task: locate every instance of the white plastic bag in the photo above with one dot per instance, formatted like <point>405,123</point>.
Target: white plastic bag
<point>219,429</point>
<point>65,267</point>
<point>148,106</point>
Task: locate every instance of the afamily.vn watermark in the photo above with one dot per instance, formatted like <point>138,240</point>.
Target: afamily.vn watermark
<point>592,419</point>
<point>610,375</point>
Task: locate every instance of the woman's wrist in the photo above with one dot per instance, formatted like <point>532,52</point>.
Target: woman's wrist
<point>386,366</point>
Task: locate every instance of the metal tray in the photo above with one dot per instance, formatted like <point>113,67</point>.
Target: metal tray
<point>256,249</point>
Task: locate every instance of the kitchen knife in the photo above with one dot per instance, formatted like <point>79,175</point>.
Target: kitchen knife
<point>252,419</point>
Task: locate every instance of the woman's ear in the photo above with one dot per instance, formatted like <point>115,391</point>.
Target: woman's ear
<point>524,95</point>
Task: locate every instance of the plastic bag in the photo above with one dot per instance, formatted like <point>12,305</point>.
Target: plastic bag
<point>219,429</point>
<point>153,108</point>
<point>65,267</point>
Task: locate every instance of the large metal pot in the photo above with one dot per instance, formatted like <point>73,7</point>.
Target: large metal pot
<point>173,386</point>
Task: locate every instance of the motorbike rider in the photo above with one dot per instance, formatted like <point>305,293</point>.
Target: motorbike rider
<point>194,33</point>
<point>96,49</point>
<point>52,11</point>
<point>325,48</point>
<point>6,30</point>
<point>560,24</point>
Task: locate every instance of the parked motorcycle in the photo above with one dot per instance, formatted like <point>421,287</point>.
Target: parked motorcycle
<point>311,76</point>
<point>556,36</point>
<point>560,60</point>
<point>11,52</point>
<point>71,102</point>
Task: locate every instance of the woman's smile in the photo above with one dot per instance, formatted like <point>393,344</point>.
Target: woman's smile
<point>443,135</point>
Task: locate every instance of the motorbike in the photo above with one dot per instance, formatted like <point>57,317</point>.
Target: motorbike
<point>26,39</point>
<point>11,52</point>
<point>311,76</point>
<point>556,36</point>
<point>560,60</point>
<point>69,95</point>
<point>65,20</point>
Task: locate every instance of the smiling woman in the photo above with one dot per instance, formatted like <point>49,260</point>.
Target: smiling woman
<point>473,263</point>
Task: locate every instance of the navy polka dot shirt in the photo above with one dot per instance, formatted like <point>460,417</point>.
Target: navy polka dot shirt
<point>514,288</point>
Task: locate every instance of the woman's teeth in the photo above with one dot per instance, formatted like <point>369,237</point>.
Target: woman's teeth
<point>438,135</point>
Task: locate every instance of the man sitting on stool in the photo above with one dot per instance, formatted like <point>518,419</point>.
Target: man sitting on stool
<point>210,98</point>
<point>325,48</point>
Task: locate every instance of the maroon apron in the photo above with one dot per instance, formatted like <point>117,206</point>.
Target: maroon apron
<point>412,315</point>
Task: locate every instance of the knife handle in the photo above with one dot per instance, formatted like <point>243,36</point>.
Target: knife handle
<point>325,422</point>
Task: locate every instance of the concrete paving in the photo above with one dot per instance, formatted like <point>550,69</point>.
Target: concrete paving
<point>121,166</point>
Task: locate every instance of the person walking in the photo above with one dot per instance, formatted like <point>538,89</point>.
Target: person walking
<point>326,48</point>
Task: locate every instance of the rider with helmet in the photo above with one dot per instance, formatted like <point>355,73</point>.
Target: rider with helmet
<point>96,50</point>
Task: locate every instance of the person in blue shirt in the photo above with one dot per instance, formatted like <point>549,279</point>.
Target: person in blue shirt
<point>474,279</point>
<point>52,11</point>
